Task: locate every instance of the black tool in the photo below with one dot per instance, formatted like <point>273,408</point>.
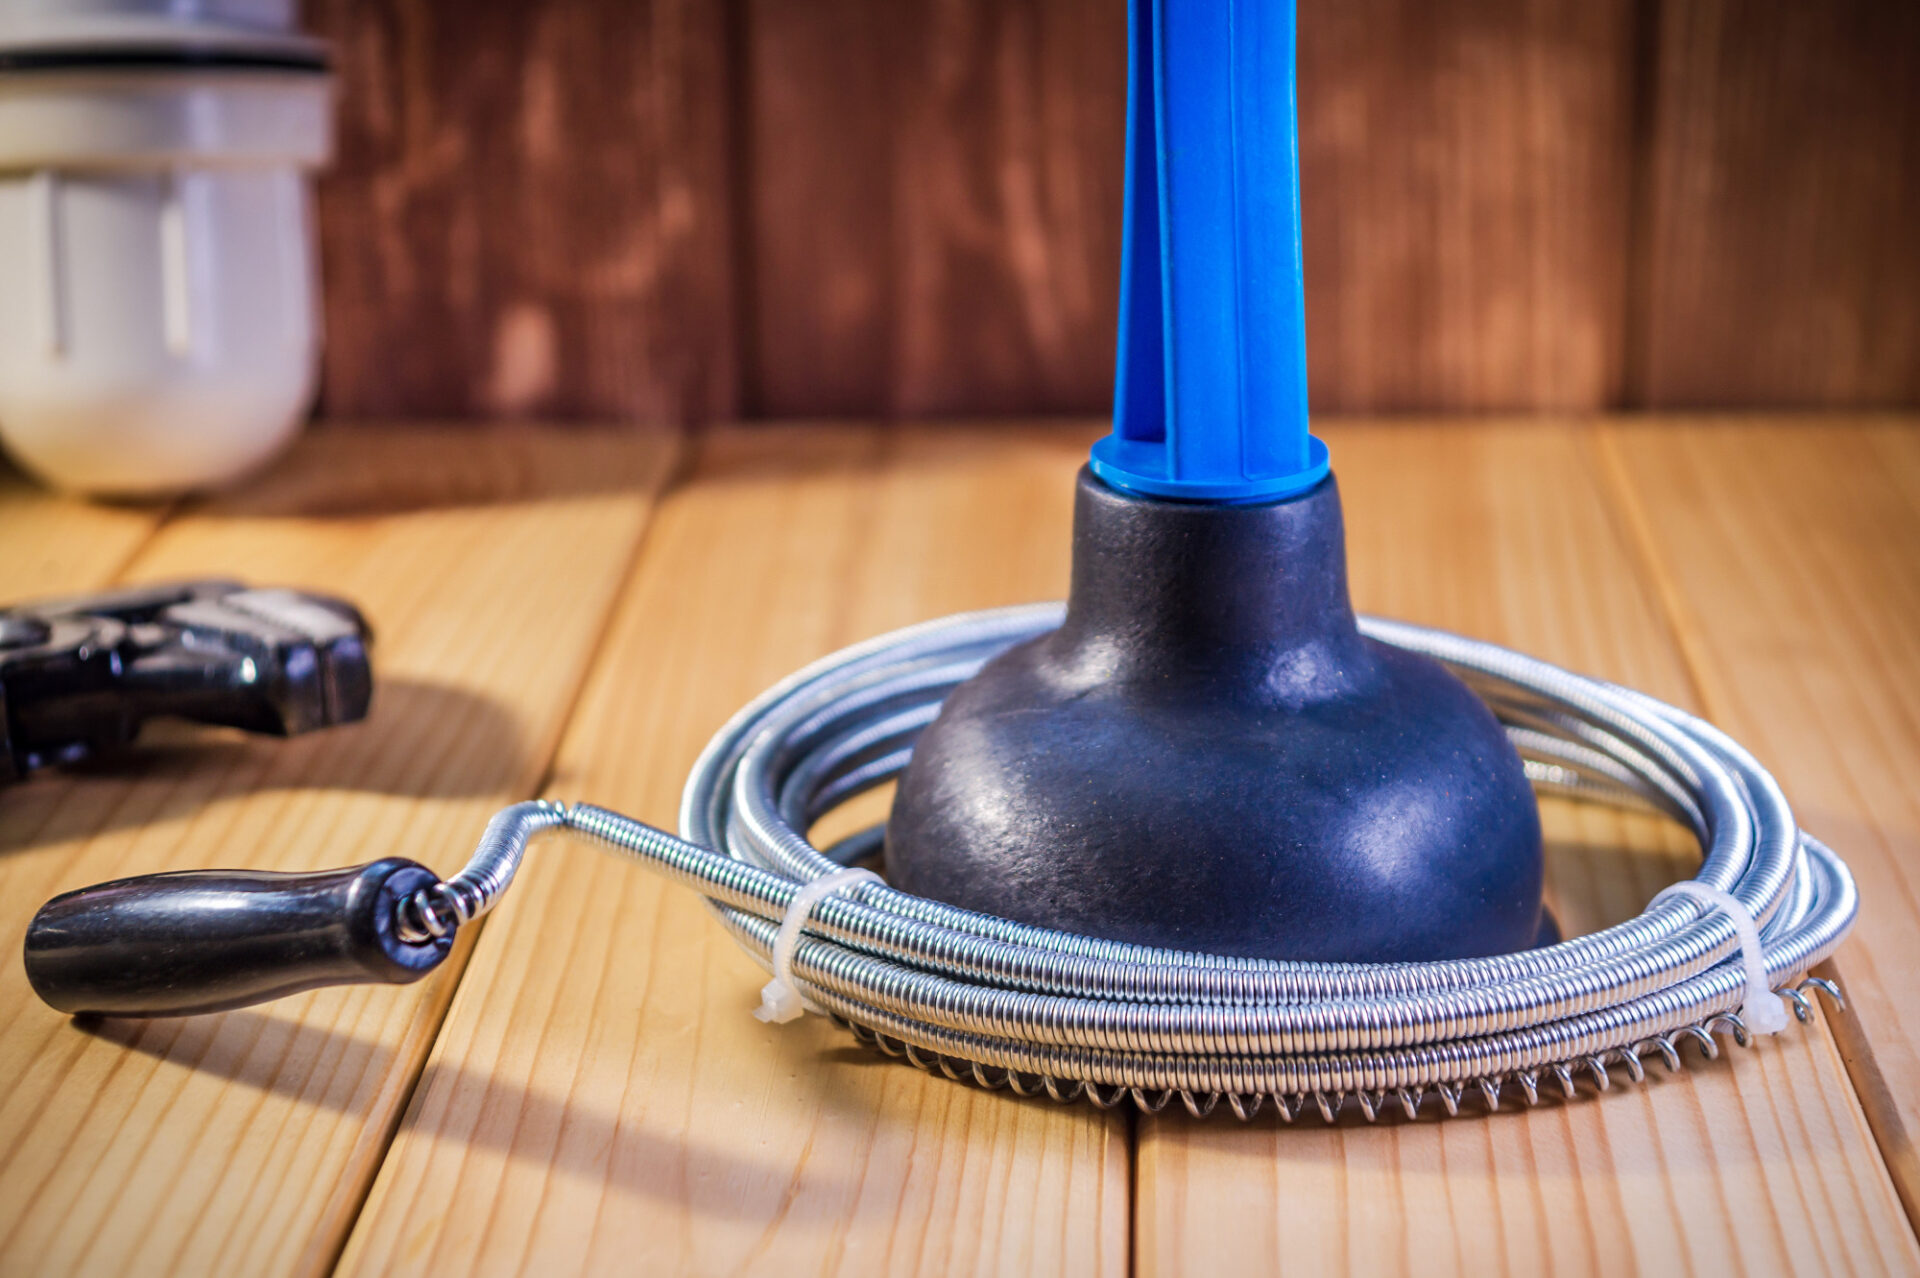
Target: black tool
<point>207,940</point>
<point>80,676</point>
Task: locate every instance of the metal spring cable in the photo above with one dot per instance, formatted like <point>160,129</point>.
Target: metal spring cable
<point>1043,1012</point>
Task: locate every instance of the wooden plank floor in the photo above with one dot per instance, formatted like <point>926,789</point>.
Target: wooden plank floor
<point>1759,1164</point>
<point>1789,557</point>
<point>244,1143</point>
<point>57,546</point>
<point>592,1094</point>
<point>601,1097</point>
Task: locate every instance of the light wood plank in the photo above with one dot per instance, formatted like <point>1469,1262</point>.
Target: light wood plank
<point>56,545</point>
<point>1789,552</point>
<point>601,1100</point>
<point>244,1143</point>
<point>1759,1164</point>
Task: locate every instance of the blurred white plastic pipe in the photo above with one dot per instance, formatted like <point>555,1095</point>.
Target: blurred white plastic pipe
<point>159,326</point>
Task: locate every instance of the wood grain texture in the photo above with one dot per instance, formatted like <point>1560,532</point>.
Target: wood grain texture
<point>58,545</point>
<point>244,1143</point>
<point>530,210</point>
<point>1780,264</point>
<point>1465,171</point>
<point>669,210</point>
<point>1757,1164</point>
<point>934,203</point>
<point>601,1100</point>
<point>1790,556</point>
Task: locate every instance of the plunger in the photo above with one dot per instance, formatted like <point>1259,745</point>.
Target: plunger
<point>1208,755</point>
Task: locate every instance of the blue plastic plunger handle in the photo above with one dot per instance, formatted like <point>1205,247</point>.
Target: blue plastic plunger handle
<point>1210,398</point>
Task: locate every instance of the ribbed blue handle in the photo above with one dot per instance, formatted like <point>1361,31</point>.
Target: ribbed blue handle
<point>1210,400</point>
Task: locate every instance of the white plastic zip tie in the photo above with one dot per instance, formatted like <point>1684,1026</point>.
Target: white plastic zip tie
<point>1764,1011</point>
<point>780,998</point>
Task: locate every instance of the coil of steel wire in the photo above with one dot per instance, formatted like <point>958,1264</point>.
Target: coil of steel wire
<point>1000,1003</point>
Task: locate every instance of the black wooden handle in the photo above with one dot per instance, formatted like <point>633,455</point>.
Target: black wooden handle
<point>208,940</point>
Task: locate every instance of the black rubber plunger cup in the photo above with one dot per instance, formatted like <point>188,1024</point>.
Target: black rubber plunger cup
<point>1208,755</point>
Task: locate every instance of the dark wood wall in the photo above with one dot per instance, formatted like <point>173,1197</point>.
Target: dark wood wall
<point>682,210</point>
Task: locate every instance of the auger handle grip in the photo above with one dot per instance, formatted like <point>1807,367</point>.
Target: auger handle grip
<point>207,940</point>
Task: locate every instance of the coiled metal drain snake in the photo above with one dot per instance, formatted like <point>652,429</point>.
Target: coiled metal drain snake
<point>1003,1004</point>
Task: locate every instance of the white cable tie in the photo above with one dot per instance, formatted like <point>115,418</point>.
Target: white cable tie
<point>780,997</point>
<point>1764,1011</point>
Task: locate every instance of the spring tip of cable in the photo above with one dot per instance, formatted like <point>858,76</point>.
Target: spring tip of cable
<point>1372,1105</point>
